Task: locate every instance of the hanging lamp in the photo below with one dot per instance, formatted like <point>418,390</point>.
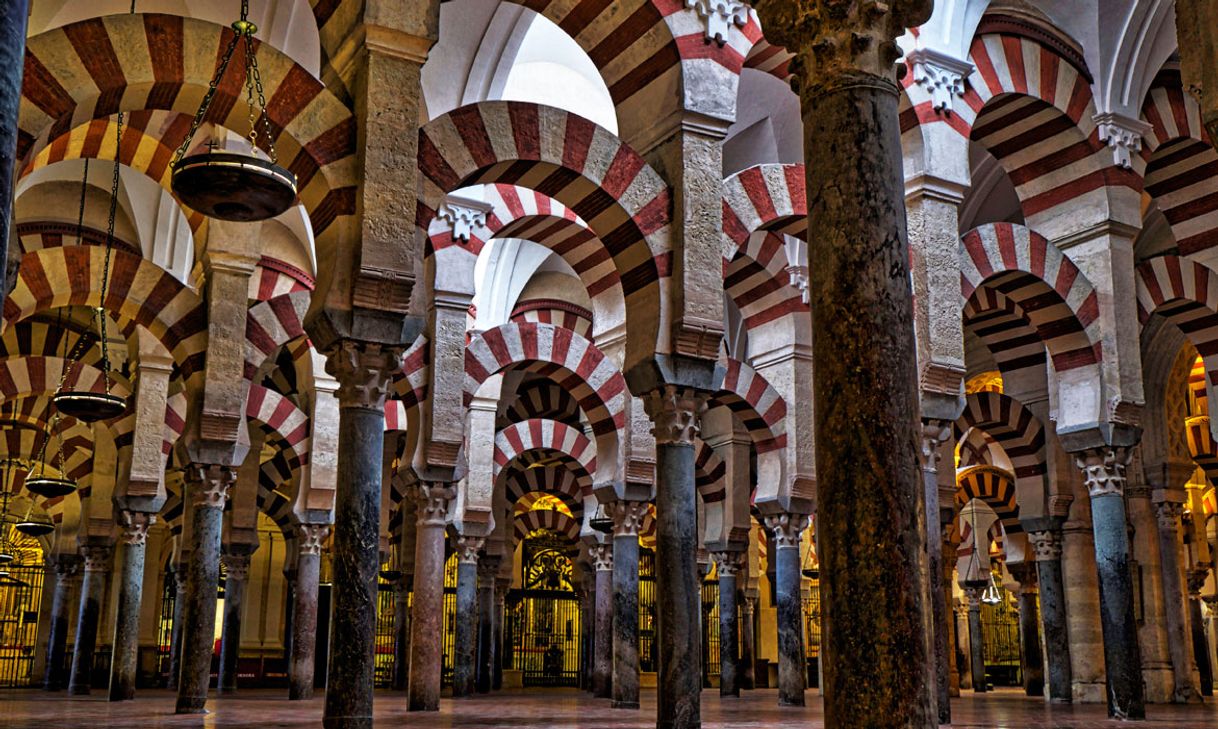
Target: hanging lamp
<point>991,596</point>
<point>8,550</point>
<point>41,483</point>
<point>601,521</point>
<point>234,185</point>
<point>34,526</point>
<point>85,405</point>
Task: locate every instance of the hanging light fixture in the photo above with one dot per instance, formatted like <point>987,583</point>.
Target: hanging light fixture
<point>991,596</point>
<point>601,521</point>
<point>85,405</point>
<point>34,526</point>
<point>40,482</point>
<point>234,185</point>
<point>8,550</point>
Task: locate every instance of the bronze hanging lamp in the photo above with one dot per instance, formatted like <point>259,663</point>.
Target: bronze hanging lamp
<point>601,521</point>
<point>34,526</point>
<point>8,550</point>
<point>37,480</point>
<point>234,185</point>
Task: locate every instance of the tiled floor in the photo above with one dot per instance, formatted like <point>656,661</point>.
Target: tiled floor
<point>553,709</point>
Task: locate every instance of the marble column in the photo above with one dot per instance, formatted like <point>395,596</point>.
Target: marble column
<point>748,653</point>
<point>1197,639</point>
<point>401,633</point>
<point>792,662</point>
<point>302,661</point>
<point>675,413</point>
<point>961,620</point>
<point>934,433</point>
<point>175,634</point>
<point>237,566</point>
<point>427,625</point>
<point>208,486</point>
<point>465,631</point>
<point>947,583</point>
<point>602,643</point>
<point>1031,661</point>
<point>627,518</point>
<point>488,566</point>
<point>363,373</point>
<point>1047,550</point>
<point>88,616</point>
<point>14,17</point>
<point>728,565</point>
<point>502,585</point>
<point>873,592</point>
<point>126,650</point>
<point>1175,595</point>
<point>976,638</point>
<point>1104,473</point>
<point>65,567</point>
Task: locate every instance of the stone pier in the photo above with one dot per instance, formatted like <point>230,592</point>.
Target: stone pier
<point>748,653</point>
<point>1047,550</point>
<point>976,642</point>
<point>1032,663</point>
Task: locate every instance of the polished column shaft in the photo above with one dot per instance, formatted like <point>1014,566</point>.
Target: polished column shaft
<point>66,567</point>
<point>792,672</point>
<point>427,623</point>
<point>88,616</point>
<point>237,567</point>
<point>401,633</point>
<point>976,640</point>
<point>934,432</point>
<point>14,18</point>
<point>1175,597</point>
<point>627,518</point>
<point>1197,640</point>
<point>748,655</point>
<point>728,566</point>
<point>602,642</point>
<point>466,629</point>
<point>1047,548</point>
<point>175,635</point>
<point>302,660</point>
<point>1032,662</point>
<point>486,654</point>
<point>126,649</point>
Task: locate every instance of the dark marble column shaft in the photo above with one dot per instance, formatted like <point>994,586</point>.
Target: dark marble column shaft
<point>401,633</point>
<point>66,568</point>
<point>728,565</point>
<point>1197,640</point>
<point>486,654</point>
<point>1047,547</point>
<point>1175,598</point>
<point>302,661</point>
<point>947,587</point>
<point>502,585</point>
<point>465,638</point>
<point>627,518</point>
<point>934,432</point>
<point>175,634</point>
<point>674,412</point>
<point>237,566</point>
<point>208,486</point>
<point>1104,473</point>
<point>427,621</point>
<point>14,18</point>
<point>88,616</point>
<point>1032,662</point>
<point>976,640</point>
<point>792,671</point>
<point>602,643</point>
<point>748,653</point>
<point>126,650</point>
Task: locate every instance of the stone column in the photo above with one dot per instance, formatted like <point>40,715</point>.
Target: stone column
<point>125,660</point>
<point>602,643</point>
<point>237,566</point>
<point>465,639</point>
<point>488,567</point>
<point>1168,515</point>
<point>748,654</point>
<point>873,591</point>
<point>1104,473</point>
<point>934,432</point>
<point>1047,549</point>
<point>976,638</point>
<point>302,662</point>
<point>175,635</point>
<point>428,610</point>
<point>627,518</point>
<point>363,372</point>
<point>675,413</point>
<point>502,585</point>
<point>960,615</point>
<point>208,485</point>
<point>728,565</point>
<point>92,592</point>
<point>792,663</point>
<point>13,24</point>
<point>1030,658</point>
<point>1200,646</point>
<point>401,633</point>
<point>65,567</point>
<point>947,583</point>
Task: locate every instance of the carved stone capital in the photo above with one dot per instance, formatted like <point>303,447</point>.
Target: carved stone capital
<point>463,216</point>
<point>1168,514</point>
<point>1196,580</point>
<point>65,566</point>
<point>627,517</point>
<point>787,529</point>
<point>1046,545</point>
<point>311,536</point>
<point>748,606</point>
<point>134,526</point>
<point>675,414</point>
<point>728,562</point>
<point>797,277</point>
<point>209,484</point>
<point>934,433</point>
<point>1104,470</point>
<point>602,557</point>
<point>832,38</point>
<point>431,503</point>
<point>236,566</point>
<point>97,557</point>
<point>468,548</point>
<point>941,75</point>
<point>720,16</point>
<point>363,372</point>
<point>972,596</point>
<point>1123,135</point>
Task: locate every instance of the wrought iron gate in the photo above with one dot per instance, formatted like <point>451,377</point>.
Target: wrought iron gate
<point>545,619</point>
<point>648,645</point>
<point>1000,631</point>
<point>711,665</point>
<point>386,614</point>
<point>20,599</point>
<point>449,644</point>
<point>164,626</point>
<point>811,610</point>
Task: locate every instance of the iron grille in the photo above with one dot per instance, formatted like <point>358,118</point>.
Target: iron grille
<point>20,598</point>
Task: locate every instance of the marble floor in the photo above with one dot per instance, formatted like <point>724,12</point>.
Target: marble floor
<point>551,709</point>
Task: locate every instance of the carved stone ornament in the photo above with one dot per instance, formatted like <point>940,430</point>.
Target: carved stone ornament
<point>468,548</point>
<point>311,537</point>
<point>209,483</point>
<point>627,517</point>
<point>65,566</point>
<point>720,15</point>
<point>675,414</point>
<point>941,75</point>
<point>602,557</point>
<point>728,563</point>
<point>1123,135</point>
<point>1103,470</point>
<point>973,596</point>
<point>787,529</point>
<point>431,504</point>
<point>97,557</point>
<point>236,566</point>
<point>1168,514</point>
<point>1196,580</point>
<point>797,277</point>
<point>363,372</point>
<point>934,433</point>
<point>462,217</point>
<point>134,525</point>
<point>1046,545</point>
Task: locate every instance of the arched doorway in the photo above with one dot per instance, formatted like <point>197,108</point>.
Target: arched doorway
<point>21,582</point>
<point>544,620</point>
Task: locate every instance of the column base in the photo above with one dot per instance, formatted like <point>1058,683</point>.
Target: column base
<point>347,722</point>
<point>226,692</point>
<point>191,705</point>
<point>792,702</point>
<point>78,691</point>
<point>624,704</point>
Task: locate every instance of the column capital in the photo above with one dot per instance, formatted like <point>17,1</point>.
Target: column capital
<point>831,38</point>
<point>1104,469</point>
<point>675,413</point>
<point>787,528</point>
<point>1196,580</point>
<point>627,517</point>
<point>311,536</point>
<point>728,562</point>
<point>602,557</point>
<point>364,371</point>
<point>1168,514</point>
<point>431,503</point>
<point>211,482</point>
<point>972,596</point>
<point>1046,545</point>
<point>468,548</point>
<point>134,526</point>
<point>934,433</point>
<point>97,557</point>
<point>237,566</point>
<point>65,566</point>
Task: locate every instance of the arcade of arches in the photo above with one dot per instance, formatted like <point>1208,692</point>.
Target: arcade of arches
<point>802,362</point>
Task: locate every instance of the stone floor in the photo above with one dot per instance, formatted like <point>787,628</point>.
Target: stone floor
<point>566,709</point>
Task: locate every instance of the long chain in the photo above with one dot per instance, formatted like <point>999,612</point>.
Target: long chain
<point>207,99</point>
<point>105,282</point>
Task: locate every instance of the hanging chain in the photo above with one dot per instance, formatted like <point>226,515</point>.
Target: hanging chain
<point>257,83</point>
<point>105,282</point>
<point>207,99</point>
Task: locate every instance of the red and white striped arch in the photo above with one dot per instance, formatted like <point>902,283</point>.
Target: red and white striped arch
<point>557,312</point>
<point>38,376</point>
<point>543,398</point>
<point>279,415</point>
<point>273,277</point>
<point>272,323</point>
<point>543,435</point>
<point>1013,427</point>
<point>709,473</point>
<point>563,483</point>
<point>1186,294</point>
<point>526,522</point>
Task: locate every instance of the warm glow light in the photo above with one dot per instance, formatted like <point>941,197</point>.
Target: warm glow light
<point>984,382</point>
